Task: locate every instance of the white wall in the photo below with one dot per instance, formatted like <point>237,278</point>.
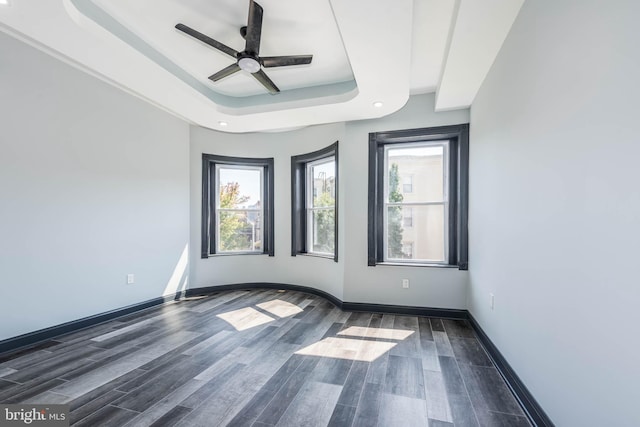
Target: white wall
<point>350,279</point>
<point>93,186</point>
<point>555,208</point>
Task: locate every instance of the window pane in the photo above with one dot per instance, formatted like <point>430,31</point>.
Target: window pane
<point>419,170</point>
<point>407,216</point>
<point>425,237</point>
<point>240,231</point>
<point>239,188</point>
<point>323,232</point>
<point>324,184</point>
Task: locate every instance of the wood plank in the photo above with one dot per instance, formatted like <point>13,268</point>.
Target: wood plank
<point>438,423</point>
<point>27,391</point>
<point>405,377</point>
<point>107,416</point>
<point>469,351</point>
<point>93,379</point>
<point>172,417</point>
<point>93,406</point>
<point>462,411</point>
<point>7,371</point>
<point>409,346</point>
<point>312,406</point>
<point>425,329</point>
<point>211,303</point>
<point>342,416</point>
<point>498,419</point>
<point>142,398</point>
<point>488,391</point>
<point>213,385</point>
<point>369,406</point>
<point>224,404</point>
<point>436,325</point>
<point>166,404</point>
<point>283,397</point>
<point>459,328</point>
<point>437,401</point>
<point>353,384</point>
<point>443,346</point>
<point>401,411</point>
<point>332,370</point>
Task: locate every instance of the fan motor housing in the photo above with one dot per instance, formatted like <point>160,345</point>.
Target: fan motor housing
<point>249,63</point>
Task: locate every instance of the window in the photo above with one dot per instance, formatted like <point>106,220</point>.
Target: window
<point>407,216</point>
<point>237,205</point>
<point>314,202</point>
<point>407,250</point>
<point>426,225</point>
<point>407,184</point>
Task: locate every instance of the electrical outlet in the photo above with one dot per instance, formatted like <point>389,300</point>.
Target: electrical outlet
<point>405,283</point>
<point>491,301</point>
<point>130,279</point>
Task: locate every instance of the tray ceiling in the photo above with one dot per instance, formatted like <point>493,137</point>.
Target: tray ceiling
<point>365,53</point>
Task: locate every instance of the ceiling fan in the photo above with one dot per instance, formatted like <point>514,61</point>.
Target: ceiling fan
<point>249,59</point>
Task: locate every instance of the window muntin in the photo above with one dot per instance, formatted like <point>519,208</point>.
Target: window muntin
<point>320,206</point>
<point>426,206</point>
<point>239,208</point>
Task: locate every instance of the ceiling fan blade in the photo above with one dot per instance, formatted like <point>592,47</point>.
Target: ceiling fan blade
<point>233,68</point>
<point>254,28</point>
<point>284,61</point>
<point>266,82</point>
<point>207,40</point>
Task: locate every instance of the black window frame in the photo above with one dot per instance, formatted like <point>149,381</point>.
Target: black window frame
<point>208,233</point>
<point>299,196</point>
<point>458,170</point>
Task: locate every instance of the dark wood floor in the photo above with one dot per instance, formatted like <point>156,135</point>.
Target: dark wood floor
<point>265,358</point>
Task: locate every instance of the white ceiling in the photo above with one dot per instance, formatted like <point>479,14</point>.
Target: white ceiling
<point>363,51</point>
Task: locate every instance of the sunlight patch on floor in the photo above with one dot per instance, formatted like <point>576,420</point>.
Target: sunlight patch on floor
<point>280,308</point>
<point>245,318</point>
<point>389,334</point>
<point>347,348</point>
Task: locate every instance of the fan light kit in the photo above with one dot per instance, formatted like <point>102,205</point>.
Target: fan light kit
<point>249,59</point>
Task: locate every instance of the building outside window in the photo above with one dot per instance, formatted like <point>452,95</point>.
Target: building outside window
<point>407,184</point>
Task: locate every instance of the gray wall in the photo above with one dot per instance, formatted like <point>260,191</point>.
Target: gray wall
<point>555,208</point>
<point>350,279</point>
<point>94,185</point>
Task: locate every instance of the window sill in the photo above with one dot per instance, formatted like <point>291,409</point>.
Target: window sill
<point>312,255</point>
<point>415,264</point>
<point>233,254</point>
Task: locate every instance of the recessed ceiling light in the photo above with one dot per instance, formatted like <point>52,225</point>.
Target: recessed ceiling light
<point>221,123</point>
<point>5,2</point>
<point>378,104</point>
